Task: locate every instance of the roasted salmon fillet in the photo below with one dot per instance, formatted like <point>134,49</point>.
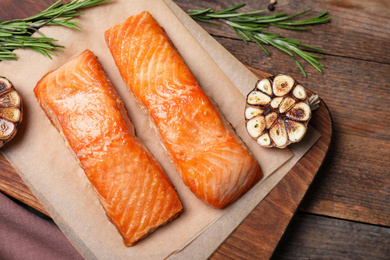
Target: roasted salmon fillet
<point>209,156</point>
<point>134,191</point>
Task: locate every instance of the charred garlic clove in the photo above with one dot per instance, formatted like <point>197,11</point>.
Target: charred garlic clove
<point>282,85</point>
<point>252,112</point>
<point>270,119</point>
<point>10,111</point>
<point>10,99</point>
<point>256,126</point>
<point>295,130</point>
<point>286,104</point>
<point>277,111</point>
<point>11,114</point>
<point>300,112</point>
<point>278,134</point>
<point>258,98</point>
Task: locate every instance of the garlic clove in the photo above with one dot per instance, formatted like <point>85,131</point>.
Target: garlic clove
<point>256,126</point>
<point>264,140</point>
<point>301,112</point>
<point>265,86</point>
<point>11,114</point>
<point>282,85</point>
<point>278,134</point>
<point>295,130</point>
<point>10,99</point>
<point>251,112</point>
<point>299,92</point>
<point>276,102</point>
<point>258,98</point>
<point>5,84</point>
<point>286,104</point>
<point>7,130</point>
<point>270,119</point>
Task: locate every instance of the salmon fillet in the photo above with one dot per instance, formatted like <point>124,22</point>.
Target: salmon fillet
<point>212,161</point>
<point>81,102</point>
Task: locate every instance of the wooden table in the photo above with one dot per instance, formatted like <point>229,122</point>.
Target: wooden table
<point>346,211</point>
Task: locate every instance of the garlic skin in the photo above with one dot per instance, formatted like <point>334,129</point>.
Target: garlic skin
<point>277,111</point>
<point>11,111</point>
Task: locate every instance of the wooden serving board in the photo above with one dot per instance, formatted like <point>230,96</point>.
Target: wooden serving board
<point>265,225</point>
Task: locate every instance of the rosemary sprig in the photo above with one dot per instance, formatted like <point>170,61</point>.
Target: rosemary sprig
<point>249,26</point>
<point>15,34</point>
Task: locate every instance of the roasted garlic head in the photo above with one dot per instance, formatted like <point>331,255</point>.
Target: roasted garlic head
<point>277,111</point>
<point>11,111</point>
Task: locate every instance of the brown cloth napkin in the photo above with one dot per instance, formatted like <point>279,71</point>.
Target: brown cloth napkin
<point>25,235</point>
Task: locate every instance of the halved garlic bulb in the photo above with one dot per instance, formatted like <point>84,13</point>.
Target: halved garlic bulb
<point>277,111</point>
<point>11,111</point>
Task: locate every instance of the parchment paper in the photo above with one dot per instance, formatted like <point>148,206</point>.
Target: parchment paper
<point>49,169</point>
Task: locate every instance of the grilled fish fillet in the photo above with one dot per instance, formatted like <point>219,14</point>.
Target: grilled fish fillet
<point>212,161</point>
<point>82,103</point>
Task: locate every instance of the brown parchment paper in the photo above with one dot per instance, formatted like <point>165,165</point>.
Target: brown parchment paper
<point>49,169</point>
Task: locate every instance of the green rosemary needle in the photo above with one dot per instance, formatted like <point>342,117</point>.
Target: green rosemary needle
<point>15,34</point>
<point>249,26</point>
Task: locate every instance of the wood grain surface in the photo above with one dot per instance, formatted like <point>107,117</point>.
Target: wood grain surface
<point>346,212</point>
